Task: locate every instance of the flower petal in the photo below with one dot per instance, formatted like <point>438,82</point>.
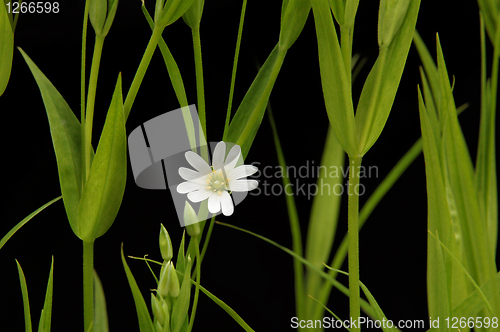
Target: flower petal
<point>214,203</point>
<point>218,156</point>
<point>198,163</point>
<point>227,204</point>
<point>199,195</point>
<point>240,172</point>
<point>193,176</point>
<point>243,185</point>
<point>186,187</point>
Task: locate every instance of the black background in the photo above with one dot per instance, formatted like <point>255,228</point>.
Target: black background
<point>251,276</point>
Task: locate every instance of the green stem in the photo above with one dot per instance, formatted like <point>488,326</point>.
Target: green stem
<point>235,65</point>
<point>199,79</point>
<point>207,238</point>
<point>89,116</point>
<point>353,236</point>
<point>82,90</point>
<point>198,278</point>
<point>141,71</point>
<point>88,285</point>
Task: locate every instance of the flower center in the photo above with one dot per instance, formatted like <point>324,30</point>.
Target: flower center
<point>216,182</point>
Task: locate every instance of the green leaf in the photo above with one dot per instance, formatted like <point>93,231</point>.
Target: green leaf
<point>324,214</point>
<point>248,117</point>
<point>173,10</point>
<point>145,323</point>
<point>103,192</point>
<point>181,304</point>
<point>66,138</point>
<point>24,221</point>
<point>474,303</point>
<point>380,87</point>
<point>391,16</point>
<point>192,16</point>
<point>46,316</point>
<point>293,22</point>
<point>336,88</point>
<point>26,302</point>
<point>6,48</point>
<point>181,258</point>
<point>100,312</point>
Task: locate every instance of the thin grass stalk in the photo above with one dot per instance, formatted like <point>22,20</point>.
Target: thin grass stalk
<point>346,48</point>
<point>89,116</point>
<point>88,285</point>
<point>207,238</point>
<point>294,224</point>
<point>235,66</point>
<point>82,86</point>
<point>198,281</point>
<point>141,71</point>
<point>353,236</point>
<point>199,78</point>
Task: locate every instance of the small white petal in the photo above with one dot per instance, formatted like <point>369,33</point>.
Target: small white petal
<point>241,172</point>
<point>198,163</point>
<point>199,195</point>
<point>243,185</point>
<point>227,204</point>
<point>214,203</point>
<point>185,187</point>
<point>190,175</point>
<point>218,156</point>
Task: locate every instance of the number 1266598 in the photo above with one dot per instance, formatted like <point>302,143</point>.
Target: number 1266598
<point>33,7</point>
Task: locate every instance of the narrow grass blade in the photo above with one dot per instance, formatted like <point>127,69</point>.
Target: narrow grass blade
<point>380,87</point>
<point>429,67</point>
<point>294,221</point>
<point>474,303</point>
<point>6,47</point>
<point>490,10</point>
<point>46,316</point>
<point>336,88</point>
<point>248,117</point>
<point>485,175</point>
<point>364,305</point>
<point>26,302</point>
<point>24,221</point>
<point>103,192</point>
<point>145,323</point>
<point>326,309</point>
<point>172,68</point>
<point>324,216</point>
<point>226,308</point>
<point>66,138</point>
<point>100,312</point>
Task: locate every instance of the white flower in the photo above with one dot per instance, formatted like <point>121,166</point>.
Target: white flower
<point>215,183</point>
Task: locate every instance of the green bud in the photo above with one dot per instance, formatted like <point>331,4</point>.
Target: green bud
<point>165,244</point>
<point>190,216</point>
<point>156,306</point>
<point>193,230</point>
<point>158,327</point>
<point>391,16</point>
<point>101,14</point>
<point>169,282</point>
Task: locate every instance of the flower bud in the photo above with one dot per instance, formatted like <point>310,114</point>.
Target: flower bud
<point>165,244</point>
<point>101,14</point>
<point>157,308</point>
<point>190,217</point>
<point>169,282</point>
